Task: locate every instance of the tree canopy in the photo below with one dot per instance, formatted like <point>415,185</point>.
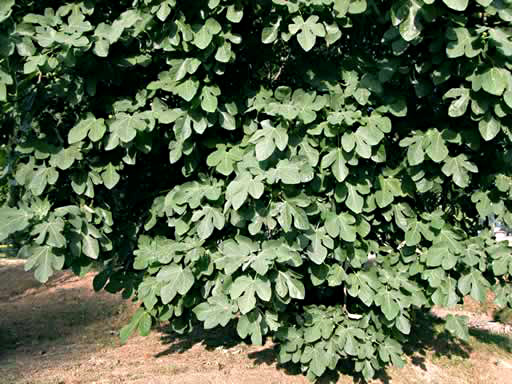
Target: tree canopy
<point>236,161</point>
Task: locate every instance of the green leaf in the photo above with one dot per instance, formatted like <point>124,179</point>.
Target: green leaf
<point>162,112</point>
<point>410,27</point>
<point>461,43</point>
<point>499,38</point>
<point>502,263</point>
<point>128,329</point>
<point>251,324</point>
<point>507,97</point>
<point>341,7</point>
<point>151,250</point>
<point>458,168</point>
<point>387,303</point>
<point>446,295</point>
<point>474,284</point>
<point>80,131</point>
<point>42,177</point>
<point>318,364</point>
<point>145,323</point>
<point>224,53</point>
<point>244,289</point>
<point>110,176</point>
<point>457,5</point>
<point>457,326</point>
<point>436,146</point>
<point>235,253</point>
<point>45,262</point>
<point>341,225</point>
<point>363,285</point>
<point>357,7</point>
<point>415,153</point>
<point>322,328</point>
<point>53,230</point>
<point>224,160</point>
<point>290,285</point>
<point>310,153</point>
<point>320,243</point>
<point>332,34</point>
<point>354,200</point>
<point>182,68</point>
<point>270,34</point>
<point>309,31</point>
<point>390,351</point>
<point>436,256</point>
<point>339,168</point>
<point>125,126</point>
<point>90,246</point>
<point>287,212</point>
<point>148,291</point>
<point>413,233</point>
<point>187,89</point>
<point>66,157</point>
<point>403,324</point>
<point>217,311</point>
<point>163,12</point>
<point>336,160</point>
<point>193,193</point>
<point>494,81</point>
<point>5,9</point>
<point>390,187</point>
<point>91,126</point>
<point>13,220</point>
<point>489,127</point>
<point>209,218</point>
<point>239,190</point>
<point>234,14</point>
<point>297,170</point>
<point>174,280</point>
<point>459,106</point>
<point>227,121</point>
<point>268,139</point>
<point>203,38</point>
<point>208,98</point>
<point>350,337</point>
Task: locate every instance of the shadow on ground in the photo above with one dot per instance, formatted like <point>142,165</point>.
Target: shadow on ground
<point>501,342</point>
<point>210,339</point>
<point>67,317</point>
<point>34,315</point>
<point>430,339</point>
<point>15,281</point>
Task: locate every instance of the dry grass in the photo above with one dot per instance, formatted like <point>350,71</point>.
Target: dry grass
<point>64,333</point>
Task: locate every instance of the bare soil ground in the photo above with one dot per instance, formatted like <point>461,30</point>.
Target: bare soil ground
<point>64,333</point>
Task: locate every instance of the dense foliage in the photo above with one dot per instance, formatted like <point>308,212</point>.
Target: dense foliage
<point>4,185</point>
<point>310,170</point>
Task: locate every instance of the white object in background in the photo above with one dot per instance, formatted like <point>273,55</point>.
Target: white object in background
<point>502,235</point>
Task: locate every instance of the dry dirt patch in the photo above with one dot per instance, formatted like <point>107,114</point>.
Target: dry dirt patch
<point>64,333</point>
